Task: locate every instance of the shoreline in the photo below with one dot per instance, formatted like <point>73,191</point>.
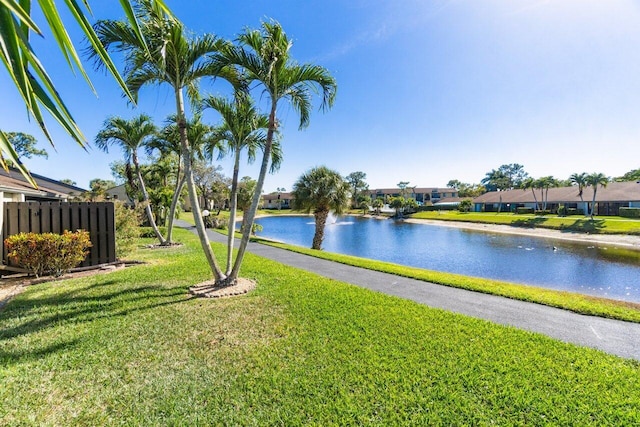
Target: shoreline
<point>622,240</point>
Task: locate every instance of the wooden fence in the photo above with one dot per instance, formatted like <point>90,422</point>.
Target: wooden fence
<point>98,218</point>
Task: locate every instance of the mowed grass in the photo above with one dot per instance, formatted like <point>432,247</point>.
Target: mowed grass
<point>132,348</point>
<point>602,225</point>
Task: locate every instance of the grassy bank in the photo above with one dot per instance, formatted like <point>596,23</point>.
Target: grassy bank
<point>604,225</point>
<point>132,348</point>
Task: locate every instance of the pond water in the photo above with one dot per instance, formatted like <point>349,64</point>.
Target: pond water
<point>594,270</point>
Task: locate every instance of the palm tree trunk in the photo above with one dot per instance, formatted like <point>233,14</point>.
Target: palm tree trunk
<point>145,197</point>
<point>593,202</point>
<point>193,195</point>
<point>250,216</point>
<point>233,211</point>
<point>174,205</point>
<point>318,236</point>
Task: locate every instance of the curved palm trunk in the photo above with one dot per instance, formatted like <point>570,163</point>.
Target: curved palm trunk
<point>193,195</point>
<point>535,199</point>
<point>593,202</point>
<point>174,205</point>
<point>321,221</point>
<point>233,211</point>
<point>250,216</point>
<point>145,197</point>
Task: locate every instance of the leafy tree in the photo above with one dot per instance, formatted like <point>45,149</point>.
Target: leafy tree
<point>30,77</point>
<point>364,204</point>
<point>544,184</point>
<point>264,57</point>
<point>25,146</point>
<point>204,176</point>
<point>377,204</point>
<point>466,190</point>
<point>397,203</point>
<point>531,184</point>
<point>506,177</point>
<point>465,205</point>
<point>320,190</point>
<point>404,189</point>
<point>131,135</point>
<point>68,181</point>
<point>97,189</point>
<point>410,205</point>
<point>593,180</point>
<point>633,175</point>
<point>358,184</point>
<point>173,57</point>
<point>246,189</point>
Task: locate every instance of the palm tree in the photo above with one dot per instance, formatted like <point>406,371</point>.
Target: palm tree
<point>579,179</point>
<point>176,59</point>
<point>377,204</point>
<point>264,58</point>
<point>531,184</point>
<point>242,128</point>
<point>544,184</point>
<point>131,135</point>
<point>594,180</point>
<point>30,77</point>
<point>321,190</point>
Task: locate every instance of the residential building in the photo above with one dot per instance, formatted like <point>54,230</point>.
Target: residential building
<point>422,195</point>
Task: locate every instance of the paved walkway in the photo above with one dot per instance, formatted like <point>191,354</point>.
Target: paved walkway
<point>611,336</point>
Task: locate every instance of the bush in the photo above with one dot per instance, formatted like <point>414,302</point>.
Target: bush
<point>48,253</point>
<point>574,211</point>
<point>147,232</point>
<point>630,212</point>
<point>465,205</point>
<point>524,210</point>
<point>127,231</point>
<point>543,212</point>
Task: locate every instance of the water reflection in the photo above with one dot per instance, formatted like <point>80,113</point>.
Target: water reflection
<point>601,271</point>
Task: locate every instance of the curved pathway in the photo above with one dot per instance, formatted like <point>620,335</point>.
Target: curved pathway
<point>612,336</point>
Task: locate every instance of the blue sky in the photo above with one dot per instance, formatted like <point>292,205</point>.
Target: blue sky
<point>428,91</point>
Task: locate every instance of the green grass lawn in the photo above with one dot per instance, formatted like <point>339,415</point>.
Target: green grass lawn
<point>133,348</point>
<point>611,225</point>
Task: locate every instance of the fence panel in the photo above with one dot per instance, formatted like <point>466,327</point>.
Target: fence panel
<point>98,218</point>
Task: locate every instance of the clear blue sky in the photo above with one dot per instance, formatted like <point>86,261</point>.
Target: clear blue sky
<point>428,91</point>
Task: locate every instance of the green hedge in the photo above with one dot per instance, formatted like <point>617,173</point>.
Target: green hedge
<point>630,212</point>
<point>524,210</point>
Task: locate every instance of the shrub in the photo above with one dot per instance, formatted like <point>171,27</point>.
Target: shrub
<point>48,253</point>
<point>127,231</point>
<point>465,205</point>
<point>574,211</point>
<point>524,210</point>
<point>630,212</point>
<point>147,232</point>
<point>543,212</point>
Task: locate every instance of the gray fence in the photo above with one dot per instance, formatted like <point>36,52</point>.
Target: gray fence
<point>98,218</point>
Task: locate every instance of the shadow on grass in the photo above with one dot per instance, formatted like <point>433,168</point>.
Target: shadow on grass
<point>23,354</point>
<point>31,315</point>
<point>583,225</point>
<point>529,222</point>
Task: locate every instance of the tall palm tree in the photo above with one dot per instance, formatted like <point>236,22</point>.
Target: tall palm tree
<point>531,184</point>
<point>131,135</point>
<point>579,179</point>
<point>243,127</point>
<point>168,143</point>
<point>173,58</point>
<point>594,180</point>
<point>264,57</point>
<point>321,190</point>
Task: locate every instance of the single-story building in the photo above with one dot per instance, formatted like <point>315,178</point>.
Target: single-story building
<point>609,199</point>
<point>422,195</point>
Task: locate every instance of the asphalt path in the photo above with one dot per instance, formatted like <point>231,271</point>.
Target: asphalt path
<point>611,336</point>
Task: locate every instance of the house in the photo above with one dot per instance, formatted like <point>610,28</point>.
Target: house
<point>119,192</point>
<point>609,199</point>
<point>48,189</point>
<point>272,200</point>
<point>422,195</point>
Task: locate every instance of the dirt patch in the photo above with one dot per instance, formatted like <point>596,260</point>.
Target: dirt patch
<point>12,285</point>
<point>210,290</point>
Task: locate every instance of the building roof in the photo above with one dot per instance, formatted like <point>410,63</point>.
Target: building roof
<point>614,192</point>
<point>274,195</point>
<point>50,187</point>
<point>417,190</point>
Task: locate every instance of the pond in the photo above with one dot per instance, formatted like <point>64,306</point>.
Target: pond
<point>589,269</point>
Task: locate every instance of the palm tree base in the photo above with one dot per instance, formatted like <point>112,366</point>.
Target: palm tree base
<point>213,289</point>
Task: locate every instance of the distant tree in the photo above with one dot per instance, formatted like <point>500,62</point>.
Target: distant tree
<point>358,184</point>
<point>377,204</point>
<point>404,189</point>
<point>246,190</point>
<point>506,177</point>
<point>97,189</point>
<point>25,146</point>
<point>633,175</point>
<point>364,204</point>
<point>467,190</point>
<point>410,205</point>
<point>397,203</point>
<point>544,184</point>
<point>68,181</point>
<point>454,183</point>
<point>465,205</point>
<point>531,184</point>
<point>580,180</point>
<point>593,180</point>
<point>204,176</point>
<point>320,190</point>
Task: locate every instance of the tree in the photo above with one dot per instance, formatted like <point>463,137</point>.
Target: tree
<point>264,57</point>
<point>242,128</point>
<point>544,184</point>
<point>246,190</point>
<point>320,190</point>
<point>131,135</point>
<point>397,203</point>
<point>174,58</point>
<point>25,146</point>
<point>593,180</point>
<point>506,177</point>
<point>633,175</point>
<point>465,205</point>
<point>204,176</point>
<point>404,188</point>
<point>358,184</point>
<point>377,204</point>
<point>30,77</point>
<point>68,181</point>
<point>364,204</point>
<point>531,184</point>
<point>467,190</point>
<point>579,179</point>
<point>97,189</point>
